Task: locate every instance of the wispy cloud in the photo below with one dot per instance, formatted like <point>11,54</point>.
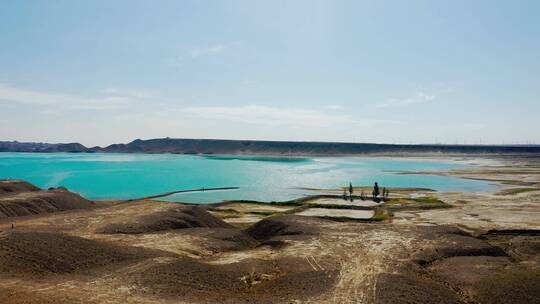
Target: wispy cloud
<point>419,97</point>
<point>207,51</point>
<point>276,116</point>
<point>20,96</point>
<point>196,52</point>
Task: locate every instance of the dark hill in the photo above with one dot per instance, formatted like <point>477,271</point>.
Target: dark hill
<point>14,186</point>
<point>15,146</point>
<point>176,218</point>
<point>220,146</point>
<point>18,198</point>
<point>39,253</point>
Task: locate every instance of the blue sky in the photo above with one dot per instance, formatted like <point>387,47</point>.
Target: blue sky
<point>99,72</point>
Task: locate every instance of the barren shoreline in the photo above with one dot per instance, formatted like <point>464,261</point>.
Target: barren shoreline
<point>435,247</point>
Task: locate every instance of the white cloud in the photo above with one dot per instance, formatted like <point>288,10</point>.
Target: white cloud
<point>275,116</point>
<point>207,51</point>
<point>111,100</point>
<point>419,97</point>
<point>127,114</point>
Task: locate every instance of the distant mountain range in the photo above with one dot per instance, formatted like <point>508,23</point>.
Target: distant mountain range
<point>15,146</point>
<point>219,146</point>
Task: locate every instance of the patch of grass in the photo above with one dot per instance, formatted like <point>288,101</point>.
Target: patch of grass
<point>514,191</point>
<point>421,203</point>
<point>395,200</point>
<point>381,214</point>
<point>424,199</point>
<point>441,205</point>
<point>427,200</point>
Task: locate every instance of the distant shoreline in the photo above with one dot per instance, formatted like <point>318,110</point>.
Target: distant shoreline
<point>276,148</point>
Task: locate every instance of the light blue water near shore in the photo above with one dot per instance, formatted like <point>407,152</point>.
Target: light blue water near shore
<point>123,176</point>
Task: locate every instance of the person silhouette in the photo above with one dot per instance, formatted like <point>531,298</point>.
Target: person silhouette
<point>375,191</point>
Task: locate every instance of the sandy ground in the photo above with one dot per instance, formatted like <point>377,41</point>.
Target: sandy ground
<point>247,207</point>
<point>356,202</point>
<point>353,214</point>
<point>480,212</point>
<point>485,249</point>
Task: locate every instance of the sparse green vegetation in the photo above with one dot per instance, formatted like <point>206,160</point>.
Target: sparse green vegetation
<point>427,200</point>
<point>397,200</point>
<point>422,203</point>
<point>441,205</point>
<point>381,214</point>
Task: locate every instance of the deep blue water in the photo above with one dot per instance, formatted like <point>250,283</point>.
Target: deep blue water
<point>122,176</point>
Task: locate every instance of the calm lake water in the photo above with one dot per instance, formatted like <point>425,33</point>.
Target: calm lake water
<point>122,176</point>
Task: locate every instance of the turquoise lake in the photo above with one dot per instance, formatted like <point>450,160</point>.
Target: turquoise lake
<point>124,176</point>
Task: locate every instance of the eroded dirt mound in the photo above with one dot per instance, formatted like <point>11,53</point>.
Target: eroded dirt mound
<point>448,242</point>
<point>225,239</point>
<point>284,225</point>
<point>13,186</point>
<point>411,288</point>
<point>42,253</point>
<point>521,245</point>
<point>10,296</point>
<point>484,279</point>
<point>248,281</point>
<point>38,202</point>
<point>175,218</point>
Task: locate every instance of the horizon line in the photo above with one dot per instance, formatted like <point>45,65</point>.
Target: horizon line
<point>285,141</point>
